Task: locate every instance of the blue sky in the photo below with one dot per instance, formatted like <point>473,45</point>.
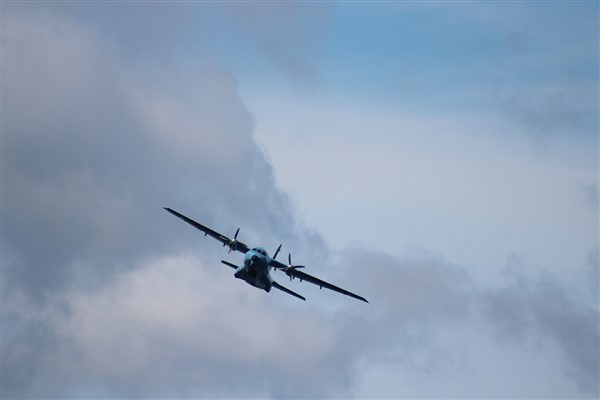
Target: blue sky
<point>438,158</point>
<point>407,53</point>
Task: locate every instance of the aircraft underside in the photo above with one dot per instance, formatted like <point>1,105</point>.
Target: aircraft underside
<point>254,278</point>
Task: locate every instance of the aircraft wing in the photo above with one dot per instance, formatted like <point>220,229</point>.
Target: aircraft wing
<point>239,246</point>
<point>303,276</point>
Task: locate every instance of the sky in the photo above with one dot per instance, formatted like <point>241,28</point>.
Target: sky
<point>438,158</point>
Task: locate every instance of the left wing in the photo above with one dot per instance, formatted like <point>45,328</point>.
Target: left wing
<point>232,243</point>
<point>303,276</point>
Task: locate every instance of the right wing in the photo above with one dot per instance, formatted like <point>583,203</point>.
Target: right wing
<point>233,244</point>
<point>303,276</point>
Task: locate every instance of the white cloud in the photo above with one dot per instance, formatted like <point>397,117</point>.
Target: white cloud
<point>173,321</point>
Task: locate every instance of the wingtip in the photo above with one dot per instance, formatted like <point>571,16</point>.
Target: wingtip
<point>357,297</point>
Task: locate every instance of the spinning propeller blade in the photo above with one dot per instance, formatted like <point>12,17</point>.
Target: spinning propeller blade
<point>233,243</point>
<point>291,267</point>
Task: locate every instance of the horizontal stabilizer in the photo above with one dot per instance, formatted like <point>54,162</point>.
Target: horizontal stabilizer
<point>288,291</point>
<point>230,264</point>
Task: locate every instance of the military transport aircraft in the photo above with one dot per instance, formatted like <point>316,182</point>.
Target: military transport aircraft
<point>257,263</point>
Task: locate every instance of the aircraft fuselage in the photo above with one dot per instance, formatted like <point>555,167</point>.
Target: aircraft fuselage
<point>255,270</point>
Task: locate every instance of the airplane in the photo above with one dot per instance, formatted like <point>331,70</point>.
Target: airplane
<point>257,264</point>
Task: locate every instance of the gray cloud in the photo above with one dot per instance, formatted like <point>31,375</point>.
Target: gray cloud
<point>545,311</point>
<point>286,32</point>
<point>561,110</point>
<point>157,331</point>
<point>423,302</point>
<point>91,152</point>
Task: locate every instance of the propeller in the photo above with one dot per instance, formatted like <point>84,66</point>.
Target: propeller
<point>233,243</point>
<point>275,256</point>
<point>290,267</point>
<point>276,252</point>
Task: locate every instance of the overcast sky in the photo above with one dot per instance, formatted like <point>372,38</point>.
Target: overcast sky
<point>439,159</point>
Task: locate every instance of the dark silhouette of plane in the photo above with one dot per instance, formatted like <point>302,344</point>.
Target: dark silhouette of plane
<point>257,264</point>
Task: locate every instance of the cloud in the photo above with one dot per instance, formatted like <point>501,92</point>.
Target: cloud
<point>297,27</point>
<point>545,312</point>
<point>91,152</point>
<point>430,317</point>
<point>158,331</point>
<point>175,326</point>
<point>566,110</point>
